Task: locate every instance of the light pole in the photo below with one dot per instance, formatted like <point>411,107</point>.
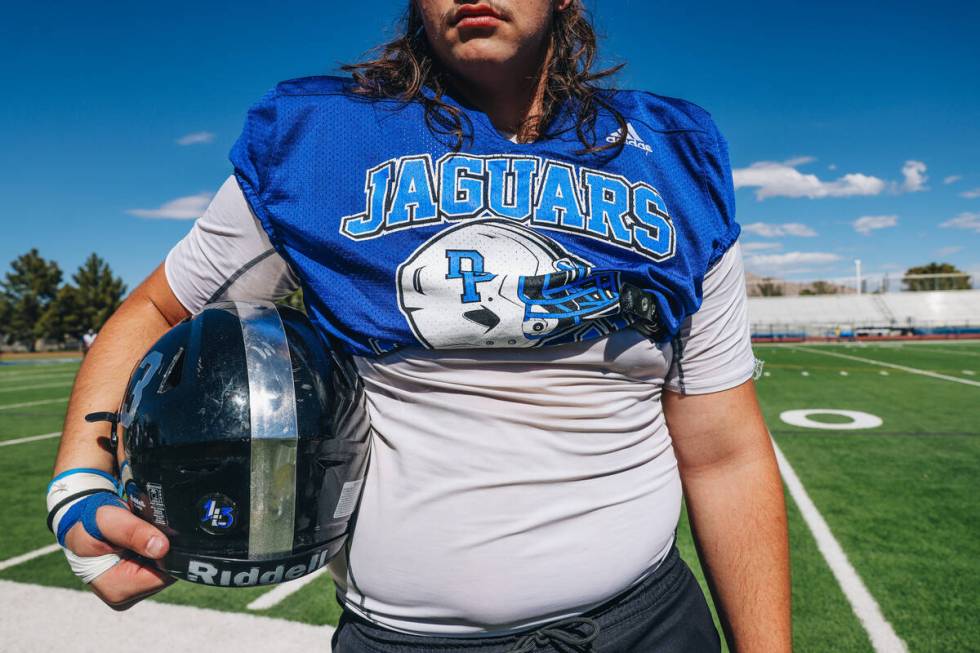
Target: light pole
<point>857,275</point>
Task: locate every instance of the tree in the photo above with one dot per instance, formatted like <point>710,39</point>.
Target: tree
<point>820,288</point>
<point>97,293</point>
<point>4,314</point>
<point>29,288</point>
<point>767,288</point>
<point>87,304</point>
<point>63,316</point>
<point>939,282</point>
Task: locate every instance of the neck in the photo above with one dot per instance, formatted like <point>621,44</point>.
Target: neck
<point>513,100</point>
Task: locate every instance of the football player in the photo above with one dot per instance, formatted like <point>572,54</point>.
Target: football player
<point>541,283</point>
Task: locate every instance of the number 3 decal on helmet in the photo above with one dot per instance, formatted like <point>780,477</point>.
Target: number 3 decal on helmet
<point>141,378</point>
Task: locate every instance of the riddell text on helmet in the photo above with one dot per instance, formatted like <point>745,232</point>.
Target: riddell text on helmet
<point>210,574</point>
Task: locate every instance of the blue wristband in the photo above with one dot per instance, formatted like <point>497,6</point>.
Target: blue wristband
<point>84,511</point>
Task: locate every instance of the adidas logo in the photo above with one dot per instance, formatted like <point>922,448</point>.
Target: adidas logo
<point>632,138</point>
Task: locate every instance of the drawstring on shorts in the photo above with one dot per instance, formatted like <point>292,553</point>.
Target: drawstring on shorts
<point>565,631</point>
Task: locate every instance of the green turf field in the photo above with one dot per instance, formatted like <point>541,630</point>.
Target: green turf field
<point>901,499</point>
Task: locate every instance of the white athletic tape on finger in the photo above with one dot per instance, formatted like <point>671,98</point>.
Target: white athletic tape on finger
<point>91,567</point>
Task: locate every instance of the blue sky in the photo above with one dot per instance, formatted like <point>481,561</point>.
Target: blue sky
<point>824,104</point>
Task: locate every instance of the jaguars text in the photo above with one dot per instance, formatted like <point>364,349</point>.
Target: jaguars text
<point>412,191</point>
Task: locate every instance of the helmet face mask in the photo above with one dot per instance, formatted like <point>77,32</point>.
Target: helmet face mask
<point>247,443</point>
<point>568,296</point>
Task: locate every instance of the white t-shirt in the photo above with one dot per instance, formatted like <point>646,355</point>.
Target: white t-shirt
<point>506,487</point>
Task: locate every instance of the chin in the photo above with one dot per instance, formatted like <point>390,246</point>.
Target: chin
<point>482,52</point>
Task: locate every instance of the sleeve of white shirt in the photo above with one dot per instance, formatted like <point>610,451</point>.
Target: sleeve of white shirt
<point>226,256</point>
<point>713,350</point>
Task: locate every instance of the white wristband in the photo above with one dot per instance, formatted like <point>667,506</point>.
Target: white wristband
<point>90,568</point>
<point>71,483</point>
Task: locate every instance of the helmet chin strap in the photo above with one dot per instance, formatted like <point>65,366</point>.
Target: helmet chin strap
<point>113,419</point>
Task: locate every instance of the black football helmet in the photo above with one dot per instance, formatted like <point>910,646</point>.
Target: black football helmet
<point>247,441</point>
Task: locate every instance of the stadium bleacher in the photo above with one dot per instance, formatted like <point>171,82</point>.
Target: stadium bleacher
<point>916,314</point>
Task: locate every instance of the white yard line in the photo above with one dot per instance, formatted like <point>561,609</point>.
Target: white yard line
<point>7,378</point>
<point>880,632</point>
<point>950,351</point>
<point>36,618</point>
<point>278,594</point>
<point>30,555</point>
<point>965,342</point>
<point>59,384</point>
<point>7,372</point>
<point>910,370</point>
<point>27,404</point>
<point>30,438</point>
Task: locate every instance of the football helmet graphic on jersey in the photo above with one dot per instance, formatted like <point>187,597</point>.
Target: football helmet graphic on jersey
<point>495,283</point>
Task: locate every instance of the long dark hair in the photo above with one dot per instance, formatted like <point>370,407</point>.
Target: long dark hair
<point>405,65</point>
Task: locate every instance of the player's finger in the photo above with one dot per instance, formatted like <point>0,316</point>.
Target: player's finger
<point>125,530</point>
<point>79,542</point>
<point>129,582</point>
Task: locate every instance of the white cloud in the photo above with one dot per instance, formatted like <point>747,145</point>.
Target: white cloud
<point>799,161</point>
<point>971,194</point>
<point>952,179</point>
<point>781,262</point>
<point>775,179</point>
<point>964,221</point>
<point>797,229</point>
<point>914,173</point>
<point>832,166</point>
<point>757,246</point>
<point>773,230</point>
<point>946,251</point>
<point>182,208</point>
<point>195,138</point>
<point>868,223</point>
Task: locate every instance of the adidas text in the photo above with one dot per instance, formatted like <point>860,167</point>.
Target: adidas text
<point>632,138</point>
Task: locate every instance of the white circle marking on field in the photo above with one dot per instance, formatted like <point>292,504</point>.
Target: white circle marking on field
<point>858,419</point>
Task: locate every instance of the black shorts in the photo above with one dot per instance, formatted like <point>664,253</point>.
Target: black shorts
<point>665,612</point>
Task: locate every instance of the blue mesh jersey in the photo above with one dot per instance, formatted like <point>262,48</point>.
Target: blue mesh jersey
<point>400,240</point>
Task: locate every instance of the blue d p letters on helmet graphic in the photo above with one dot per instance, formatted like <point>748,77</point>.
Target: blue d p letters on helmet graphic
<point>473,275</point>
<point>495,283</point>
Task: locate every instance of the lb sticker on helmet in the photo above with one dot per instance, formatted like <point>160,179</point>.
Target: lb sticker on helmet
<point>217,514</point>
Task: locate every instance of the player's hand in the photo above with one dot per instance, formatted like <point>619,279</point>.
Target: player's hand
<point>132,579</point>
